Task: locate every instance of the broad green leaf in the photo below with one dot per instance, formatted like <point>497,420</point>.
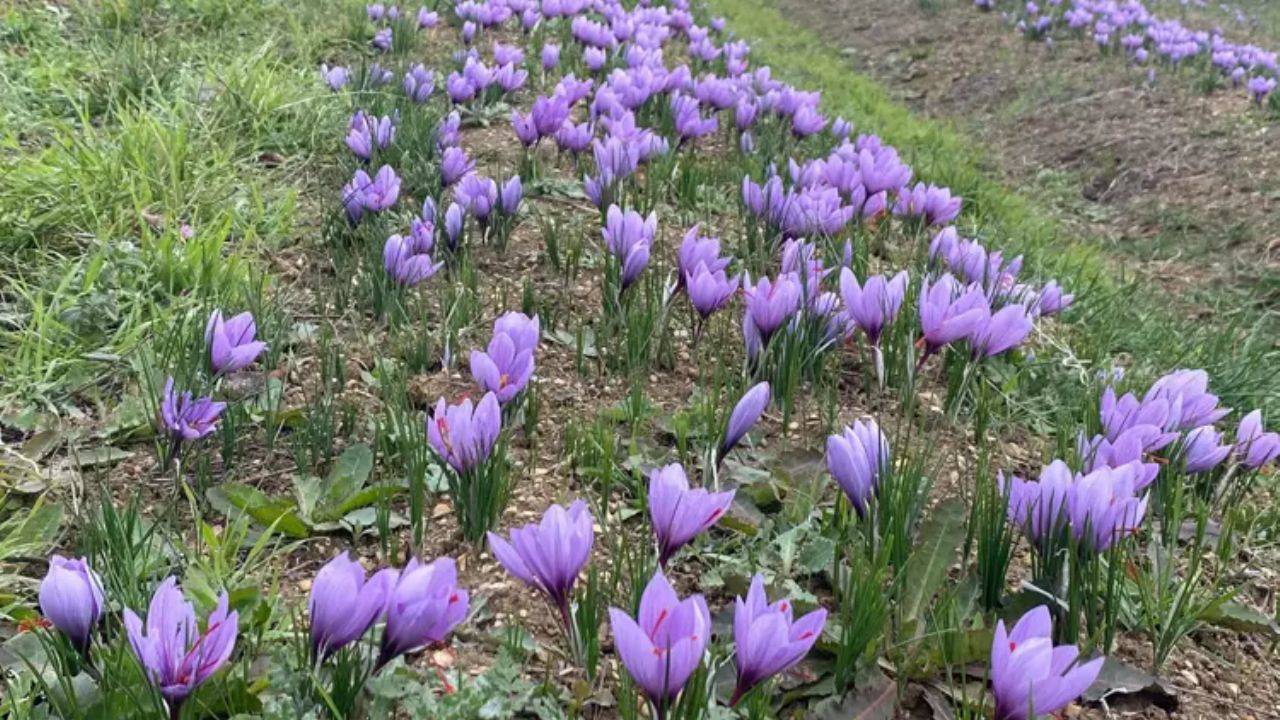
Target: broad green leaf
<point>280,515</point>
<point>1241,618</point>
<point>940,538</point>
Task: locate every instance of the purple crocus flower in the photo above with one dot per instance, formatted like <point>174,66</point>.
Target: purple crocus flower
<point>629,237</point>
<point>231,342</point>
<point>841,128</point>
<point>448,131</point>
<point>1260,87</point>
<point>664,644</point>
<point>502,369</point>
<point>689,123</point>
<point>550,56</point>
<point>478,195</point>
<point>1190,402</point>
<point>1104,506</point>
<point>186,419</point>
<point>679,514</point>
<point>745,415</point>
<point>464,434</point>
<point>427,18</point>
<point>419,83</point>
<point>382,40</point>
<point>454,217</point>
<point>695,249</point>
<point>175,656</point>
<point>375,11</point>
<point>1202,450</point>
<point>769,304</point>
<point>1039,508</point>
<point>455,165</point>
<point>856,458</point>
<point>335,77</point>
<point>549,555</point>
<point>709,290</point>
<point>549,113</point>
<point>510,78</point>
<point>523,330</point>
<point>408,259</point>
<point>934,204</point>
<point>424,606</point>
<point>1051,300</point>
<point>768,641</point>
<point>874,306</point>
<point>71,598</point>
<point>459,88</point>
<point>807,121</point>
<point>343,604</point>
<point>574,138</point>
<point>594,58</point>
<point>1254,445</point>
<point>365,133</point>
<point>949,312</point>
<point>510,196</point>
<point>1000,332</point>
<point>383,191</point>
<point>1029,675</point>
<point>526,131</point>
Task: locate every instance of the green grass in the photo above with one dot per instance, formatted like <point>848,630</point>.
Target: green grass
<point>120,122</point>
<point>1119,315</point>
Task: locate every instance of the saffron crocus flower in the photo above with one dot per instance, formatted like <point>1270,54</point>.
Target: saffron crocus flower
<point>1039,508</point>
<point>768,641</point>
<point>455,165</point>
<point>1052,300</point>
<point>71,598</point>
<point>1104,506</point>
<point>175,655</point>
<point>771,303</point>
<point>549,113</point>
<point>695,249</point>
<point>679,514</point>
<point>1202,450</point>
<point>502,370</point>
<point>231,342</point>
<point>478,195</point>
<point>353,197</point>
<point>419,83</point>
<point>1260,87</point>
<point>523,330</point>
<point>1254,445</point>
<point>856,458</point>
<point>709,290</point>
<point>549,555</point>
<point>424,606</point>
<point>807,121</point>
<point>745,415</point>
<point>383,191</point>
<point>664,644</point>
<point>382,40</point>
<point>526,131</point>
<point>510,196</point>
<point>841,128</point>
<point>874,306</point>
<point>1191,404</point>
<point>464,434</point>
<point>934,204</point>
<point>574,138</point>
<point>1029,676</point>
<point>1000,332</point>
<point>550,56</point>
<point>689,123</point>
<point>454,218</point>
<point>427,18</point>
<point>408,260</point>
<point>186,419</point>
<point>335,77</point>
<point>949,312</point>
<point>629,236</point>
<point>343,604</point>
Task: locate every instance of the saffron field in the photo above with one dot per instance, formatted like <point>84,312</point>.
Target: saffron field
<point>602,359</point>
